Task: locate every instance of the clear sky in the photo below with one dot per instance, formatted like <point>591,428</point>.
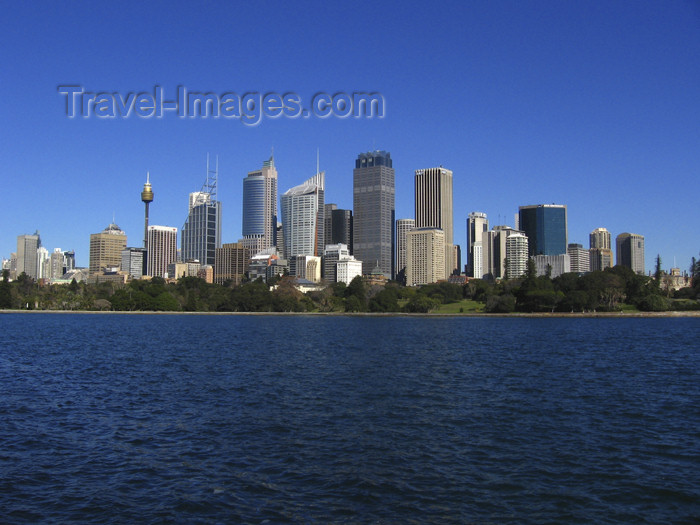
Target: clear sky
<point>595,105</point>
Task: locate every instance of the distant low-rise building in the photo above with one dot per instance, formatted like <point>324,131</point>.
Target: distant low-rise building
<point>556,264</point>
<point>600,259</point>
<point>178,270</point>
<point>347,270</point>
<point>579,257</point>
<point>133,262</point>
<point>231,264</point>
<point>331,255</point>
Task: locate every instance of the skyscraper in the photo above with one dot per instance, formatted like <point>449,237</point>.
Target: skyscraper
<point>328,226</point>
<point>302,217</point>
<point>43,262</point>
<point>28,255</point>
<point>260,205</point>
<point>477,225</point>
<point>338,227</point>
<point>546,228</point>
<point>433,207</point>
<point>106,248</point>
<point>403,226</point>
<point>600,253</point>
<point>201,233</point>
<point>374,212</point>
<point>630,251</point>
<point>161,249</point>
<point>57,264</point>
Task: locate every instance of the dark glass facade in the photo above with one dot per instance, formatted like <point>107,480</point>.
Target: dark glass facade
<point>546,228</point>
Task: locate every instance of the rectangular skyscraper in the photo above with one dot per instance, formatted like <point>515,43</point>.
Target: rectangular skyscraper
<point>425,252</point>
<point>303,218</point>
<point>477,226</point>
<point>630,251</point>
<point>161,249</point>
<point>201,233</point>
<point>106,248</point>
<point>546,228</point>
<point>374,211</point>
<point>403,226</point>
<point>433,206</point>
<point>338,228</point>
<point>27,255</point>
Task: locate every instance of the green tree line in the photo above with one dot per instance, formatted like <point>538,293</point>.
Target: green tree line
<point>613,289</point>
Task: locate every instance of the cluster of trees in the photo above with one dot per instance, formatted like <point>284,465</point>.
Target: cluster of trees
<point>610,290</point>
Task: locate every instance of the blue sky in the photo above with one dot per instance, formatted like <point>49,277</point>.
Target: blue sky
<point>590,104</point>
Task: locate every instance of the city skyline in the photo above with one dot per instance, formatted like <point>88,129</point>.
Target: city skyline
<point>428,185</point>
<point>590,105</point>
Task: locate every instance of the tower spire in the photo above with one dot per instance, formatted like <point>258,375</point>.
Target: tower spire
<point>146,198</point>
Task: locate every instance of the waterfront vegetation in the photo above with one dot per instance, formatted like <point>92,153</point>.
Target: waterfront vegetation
<point>616,289</point>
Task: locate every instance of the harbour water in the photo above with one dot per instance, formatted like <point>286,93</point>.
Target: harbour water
<point>302,419</point>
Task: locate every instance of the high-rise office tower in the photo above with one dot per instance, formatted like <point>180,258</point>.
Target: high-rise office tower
<point>477,225</point>
<point>161,249</point>
<point>146,198</point>
<point>328,226</point>
<point>302,218</point>
<point>338,227</point>
<point>28,255</point>
<point>579,257</point>
<point>374,212</point>
<point>260,205</point>
<point>630,251</point>
<point>516,255</point>
<point>425,256</point>
<point>546,228</point>
<point>403,226</point>
<point>433,207</point>
<point>106,248</point>
<point>201,233</point>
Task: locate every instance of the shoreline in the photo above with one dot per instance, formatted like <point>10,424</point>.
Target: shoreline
<point>574,315</point>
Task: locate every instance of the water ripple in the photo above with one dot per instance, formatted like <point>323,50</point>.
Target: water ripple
<point>224,419</point>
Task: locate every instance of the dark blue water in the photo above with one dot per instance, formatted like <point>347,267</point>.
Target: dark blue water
<point>241,419</point>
